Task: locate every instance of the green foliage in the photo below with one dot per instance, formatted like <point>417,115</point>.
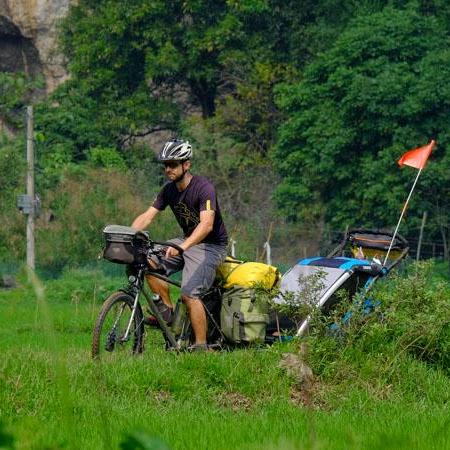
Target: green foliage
<point>410,326</point>
<point>76,119</point>
<point>135,48</point>
<point>130,67</point>
<point>378,91</point>
<point>301,304</point>
<point>12,163</point>
<point>106,157</point>
<point>82,286</point>
<point>15,92</point>
<point>415,315</point>
<point>12,184</point>
<point>372,89</point>
<point>300,30</point>
<point>84,202</point>
<point>136,63</point>
<point>249,115</point>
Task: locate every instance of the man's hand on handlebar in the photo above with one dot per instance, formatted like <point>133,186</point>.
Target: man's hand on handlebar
<point>167,249</point>
<point>171,252</point>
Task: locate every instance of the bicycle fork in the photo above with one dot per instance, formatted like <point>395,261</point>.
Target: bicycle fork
<point>136,287</point>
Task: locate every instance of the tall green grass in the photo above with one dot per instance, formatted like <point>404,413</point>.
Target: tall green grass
<point>367,392</point>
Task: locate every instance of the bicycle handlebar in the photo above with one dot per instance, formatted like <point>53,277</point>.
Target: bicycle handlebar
<point>144,236</point>
<point>169,244</point>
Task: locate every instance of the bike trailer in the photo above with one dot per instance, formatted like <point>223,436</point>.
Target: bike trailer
<point>342,270</point>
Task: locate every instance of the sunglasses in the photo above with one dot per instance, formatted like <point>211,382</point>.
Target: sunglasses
<point>172,164</point>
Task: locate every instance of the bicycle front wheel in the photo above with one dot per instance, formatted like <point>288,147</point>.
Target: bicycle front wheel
<point>115,331</point>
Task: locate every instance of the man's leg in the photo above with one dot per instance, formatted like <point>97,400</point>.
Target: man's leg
<point>198,318</point>
<point>199,272</point>
<point>161,288</point>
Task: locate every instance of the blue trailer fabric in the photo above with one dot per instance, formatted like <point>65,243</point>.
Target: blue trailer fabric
<point>339,262</point>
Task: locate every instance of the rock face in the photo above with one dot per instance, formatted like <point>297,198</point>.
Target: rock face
<point>28,38</point>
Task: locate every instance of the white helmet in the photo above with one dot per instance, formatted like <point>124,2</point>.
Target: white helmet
<point>175,150</point>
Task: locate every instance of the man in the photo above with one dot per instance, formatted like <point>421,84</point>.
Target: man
<point>194,203</point>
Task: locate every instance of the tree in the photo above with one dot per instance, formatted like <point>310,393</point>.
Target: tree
<point>15,91</point>
<point>138,67</point>
<point>378,91</point>
<point>279,41</point>
<point>156,45</point>
<point>136,60</point>
<point>74,120</point>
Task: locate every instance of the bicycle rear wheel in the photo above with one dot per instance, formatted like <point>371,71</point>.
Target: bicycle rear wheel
<point>109,336</point>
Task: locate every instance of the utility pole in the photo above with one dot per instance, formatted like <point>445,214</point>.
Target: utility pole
<point>30,188</point>
<point>29,204</point>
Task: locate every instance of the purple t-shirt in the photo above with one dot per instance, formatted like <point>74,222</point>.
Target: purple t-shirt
<point>199,195</point>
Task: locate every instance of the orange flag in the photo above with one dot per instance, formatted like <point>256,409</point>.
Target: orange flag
<point>417,157</point>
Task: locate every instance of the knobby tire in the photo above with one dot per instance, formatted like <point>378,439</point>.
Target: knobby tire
<point>116,310</point>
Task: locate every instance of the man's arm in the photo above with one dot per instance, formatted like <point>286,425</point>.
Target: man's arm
<point>200,232</point>
<point>145,219</point>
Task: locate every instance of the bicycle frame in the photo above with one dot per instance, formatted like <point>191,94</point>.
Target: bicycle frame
<point>136,286</point>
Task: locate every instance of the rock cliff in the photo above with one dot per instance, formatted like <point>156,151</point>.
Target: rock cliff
<point>28,38</point>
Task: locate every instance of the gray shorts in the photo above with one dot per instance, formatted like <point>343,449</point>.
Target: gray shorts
<point>199,264</point>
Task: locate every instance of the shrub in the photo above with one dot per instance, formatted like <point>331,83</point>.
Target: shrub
<point>410,322</point>
<point>12,164</point>
<point>85,201</point>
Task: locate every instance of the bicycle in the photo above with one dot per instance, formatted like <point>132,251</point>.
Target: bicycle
<point>120,323</point>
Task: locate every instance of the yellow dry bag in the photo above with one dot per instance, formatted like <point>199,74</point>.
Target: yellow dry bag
<point>248,274</point>
<point>226,268</point>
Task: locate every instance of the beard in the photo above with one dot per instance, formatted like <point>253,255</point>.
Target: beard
<point>180,177</point>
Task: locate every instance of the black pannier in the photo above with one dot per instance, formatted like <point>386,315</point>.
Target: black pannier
<point>124,245</point>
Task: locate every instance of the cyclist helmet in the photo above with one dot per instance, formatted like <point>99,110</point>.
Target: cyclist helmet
<point>175,150</point>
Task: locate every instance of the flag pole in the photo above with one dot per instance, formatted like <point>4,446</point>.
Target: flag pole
<point>401,216</point>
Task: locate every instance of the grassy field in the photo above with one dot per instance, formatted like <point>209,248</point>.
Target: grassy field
<point>53,396</point>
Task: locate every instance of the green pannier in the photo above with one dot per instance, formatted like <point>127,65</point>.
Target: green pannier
<point>243,318</point>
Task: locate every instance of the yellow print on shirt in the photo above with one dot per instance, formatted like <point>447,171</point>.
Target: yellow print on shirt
<point>186,215</point>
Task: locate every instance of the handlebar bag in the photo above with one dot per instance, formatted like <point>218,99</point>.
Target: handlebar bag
<point>123,245</point>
